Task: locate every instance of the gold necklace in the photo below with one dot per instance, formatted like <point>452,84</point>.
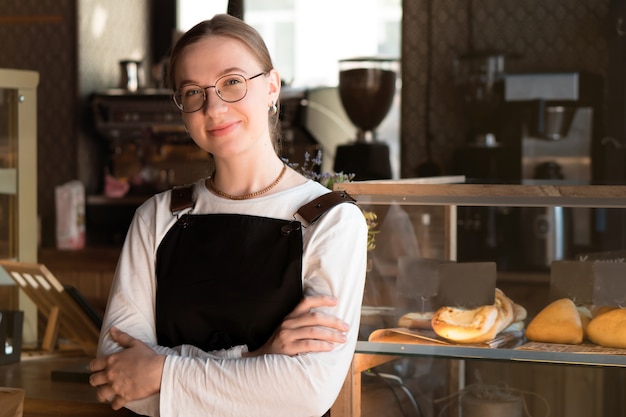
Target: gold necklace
<point>221,193</point>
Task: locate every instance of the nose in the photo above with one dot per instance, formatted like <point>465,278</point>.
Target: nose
<point>213,103</point>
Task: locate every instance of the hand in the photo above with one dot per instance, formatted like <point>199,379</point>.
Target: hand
<point>130,374</point>
<point>304,331</point>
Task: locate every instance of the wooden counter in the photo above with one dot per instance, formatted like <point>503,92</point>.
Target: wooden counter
<point>46,397</point>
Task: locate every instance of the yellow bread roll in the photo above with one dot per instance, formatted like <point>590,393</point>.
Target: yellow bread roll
<point>609,329</point>
<point>558,322</point>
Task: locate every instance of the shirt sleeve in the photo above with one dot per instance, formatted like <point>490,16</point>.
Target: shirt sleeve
<point>131,305</point>
<point>197,383</point>
<point>278,385</point>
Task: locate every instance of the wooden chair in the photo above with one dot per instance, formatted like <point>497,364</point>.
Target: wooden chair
<point>65,315</point>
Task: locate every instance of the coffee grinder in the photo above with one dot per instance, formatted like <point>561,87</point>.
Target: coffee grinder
<point>366,88</point>
<point>559,115</point>
<point>489,155</point>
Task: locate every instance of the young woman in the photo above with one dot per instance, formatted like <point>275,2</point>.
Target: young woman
<point>230,305</point>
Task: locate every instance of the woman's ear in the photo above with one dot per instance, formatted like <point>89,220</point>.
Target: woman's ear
<point>274,84</point>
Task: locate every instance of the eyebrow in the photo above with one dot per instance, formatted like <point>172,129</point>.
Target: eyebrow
<point>230,70</point>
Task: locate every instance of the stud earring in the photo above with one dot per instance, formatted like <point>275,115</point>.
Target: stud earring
<point>272,108</point>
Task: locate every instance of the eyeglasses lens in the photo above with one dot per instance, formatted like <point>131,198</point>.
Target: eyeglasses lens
<point>231,88</point>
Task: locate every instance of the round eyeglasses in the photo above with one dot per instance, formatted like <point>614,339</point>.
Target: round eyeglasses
<point>230,88</point>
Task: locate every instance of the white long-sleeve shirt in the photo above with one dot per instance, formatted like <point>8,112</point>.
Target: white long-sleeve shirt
<point>223,384</point>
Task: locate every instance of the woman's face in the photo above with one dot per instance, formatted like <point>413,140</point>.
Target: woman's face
<point>221,128</point>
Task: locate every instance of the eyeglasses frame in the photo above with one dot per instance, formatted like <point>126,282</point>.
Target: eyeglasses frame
<point>205,94</point>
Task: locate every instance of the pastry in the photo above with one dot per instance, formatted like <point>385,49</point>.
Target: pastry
<point>466,325</point>
<point>476,325</point>
<point>609,329</point>
<point>558,322</point>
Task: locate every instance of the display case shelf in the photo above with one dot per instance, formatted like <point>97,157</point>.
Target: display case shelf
<point>514,354</point>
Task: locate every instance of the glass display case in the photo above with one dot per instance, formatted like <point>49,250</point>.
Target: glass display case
<point>18,183</point>
<point>18,164</point>
<point>418,222</point>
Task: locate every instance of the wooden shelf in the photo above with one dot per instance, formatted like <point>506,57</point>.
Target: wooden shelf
<point>512,195</point>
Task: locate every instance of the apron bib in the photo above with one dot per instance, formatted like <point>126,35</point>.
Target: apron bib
<point>226,279</point>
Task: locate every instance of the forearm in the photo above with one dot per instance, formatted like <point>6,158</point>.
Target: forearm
<point>269,385</point>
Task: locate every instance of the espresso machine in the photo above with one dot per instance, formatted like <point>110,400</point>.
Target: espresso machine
<point>559,122</point>
<point>544,130</point>
<point>366,89</point>
<point>490,152</point>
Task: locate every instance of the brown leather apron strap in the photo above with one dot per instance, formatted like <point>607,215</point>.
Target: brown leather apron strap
<point>181,197</point>
<point>313,210</point>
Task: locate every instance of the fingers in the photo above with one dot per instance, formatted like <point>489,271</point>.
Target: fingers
<point>307,346</point>
<point>118,402</point>
<point>105,394</point>
<point>97,379</point>
<point>306,340</point>
<point>314,333</point>
<point>303,315</point>
<point>97,364</point>
<point>315,318</point>
<point>123,339</point>
<point>313,301</point>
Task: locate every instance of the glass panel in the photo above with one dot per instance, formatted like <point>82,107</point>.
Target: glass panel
<point>8,166</point>
<point>294,28</point>
<point>403,235</point>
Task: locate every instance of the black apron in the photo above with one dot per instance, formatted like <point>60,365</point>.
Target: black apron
<point>226,279</point>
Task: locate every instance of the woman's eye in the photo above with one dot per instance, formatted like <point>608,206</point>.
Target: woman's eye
<point>232,81</point>
<point>192,92</point>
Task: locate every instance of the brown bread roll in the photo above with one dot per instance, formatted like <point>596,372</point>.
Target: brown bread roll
<point>609,329</point>
<point>558,322</point>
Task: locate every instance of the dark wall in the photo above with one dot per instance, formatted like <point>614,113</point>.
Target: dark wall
<point>548,35</point>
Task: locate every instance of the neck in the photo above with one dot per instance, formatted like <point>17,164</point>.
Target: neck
<point>246,180</point>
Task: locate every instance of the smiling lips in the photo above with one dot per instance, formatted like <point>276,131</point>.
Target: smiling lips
<point>223,129</point>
